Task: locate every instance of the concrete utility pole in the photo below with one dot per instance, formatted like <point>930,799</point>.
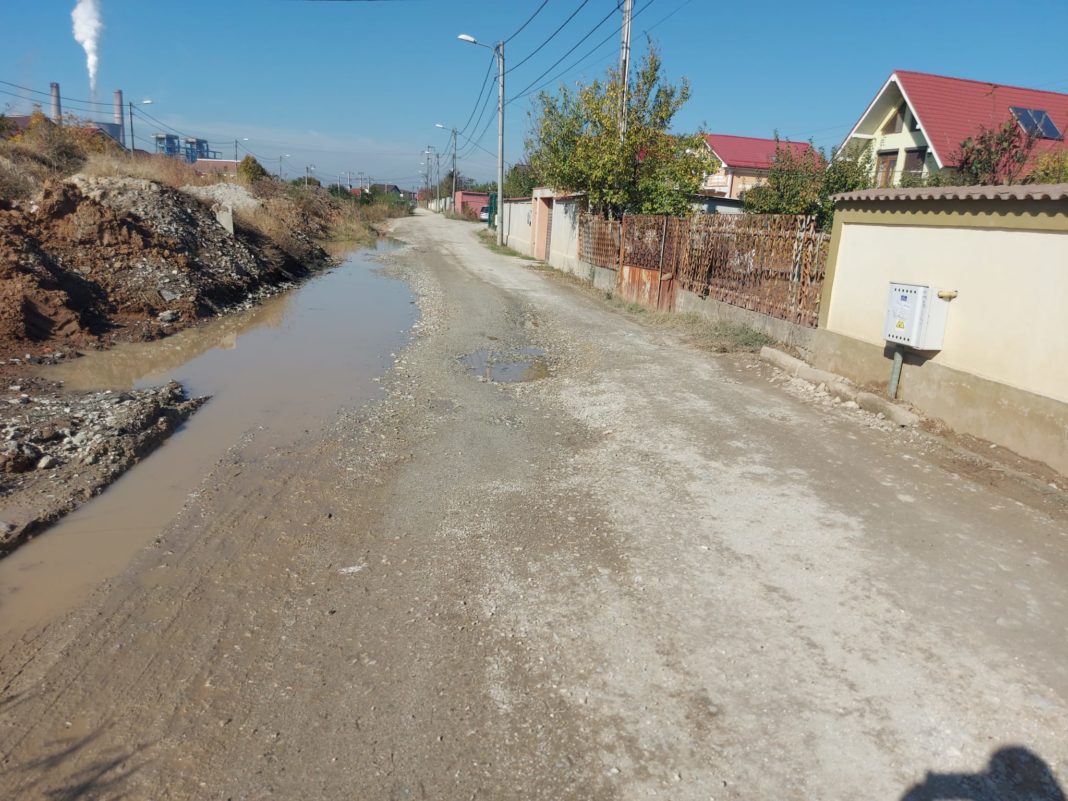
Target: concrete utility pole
<point>498,50</point>
<point>133,139</point>
<point>437,182</point>
<point>452,198</point>
<point>624,65</point>
<point>500,142</point>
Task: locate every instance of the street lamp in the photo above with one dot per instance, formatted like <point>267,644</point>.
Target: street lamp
<point>498,50</point>
<point>452,198</point>
<point>308,170</point>
<point>244,139</point>
<point>280,176</point>
<point>133,141</point>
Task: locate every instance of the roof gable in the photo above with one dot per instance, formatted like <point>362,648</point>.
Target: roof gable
<point>749,152</point>
<point>950,110</point>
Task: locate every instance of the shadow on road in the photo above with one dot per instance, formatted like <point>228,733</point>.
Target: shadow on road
<point>103,776</point>
<point>1014,774</point>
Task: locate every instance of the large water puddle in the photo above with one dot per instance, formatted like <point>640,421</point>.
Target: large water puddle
<point>283,368</point>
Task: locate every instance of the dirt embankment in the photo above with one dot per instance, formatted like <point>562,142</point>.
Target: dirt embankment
<point>96,261</point>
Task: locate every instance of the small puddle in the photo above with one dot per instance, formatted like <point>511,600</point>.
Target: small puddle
<point>280,369</point>
<point>509,367</point>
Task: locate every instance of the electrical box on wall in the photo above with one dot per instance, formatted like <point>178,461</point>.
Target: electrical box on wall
<point>915,317</point>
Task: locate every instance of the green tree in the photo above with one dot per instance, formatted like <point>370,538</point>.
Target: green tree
<point>803,181</point>
<point>994,155</point>
<point>250,170</point>
<point>1050,168</point>
<point>519,181</point>
<point>576,144</point>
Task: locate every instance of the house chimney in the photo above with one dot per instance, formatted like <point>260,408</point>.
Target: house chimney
<point>57,110</point>
<point>119,118</point>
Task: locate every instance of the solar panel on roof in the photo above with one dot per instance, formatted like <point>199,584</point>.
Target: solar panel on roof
<point>1046,126</point>
<point>1036,121</point>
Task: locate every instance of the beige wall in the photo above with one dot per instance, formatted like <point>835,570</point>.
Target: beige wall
<point>516,217</point>
<point>720,181</point>
<point>1004,325</point>
<point>1002,372</point>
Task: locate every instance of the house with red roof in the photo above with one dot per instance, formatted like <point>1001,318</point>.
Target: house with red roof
<point>744,162</point>
<point>917,121</point>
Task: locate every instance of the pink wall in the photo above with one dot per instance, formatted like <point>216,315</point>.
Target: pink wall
<point>470,202</point>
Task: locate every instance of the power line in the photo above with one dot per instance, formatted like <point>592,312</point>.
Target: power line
<point>556,63</point>
<point>528,90</point>
<point>49,94</point>
<point>529,20</point>
<point>551,37</point>
<point>485,80</point>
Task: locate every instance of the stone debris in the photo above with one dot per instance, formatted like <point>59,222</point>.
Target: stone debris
<point>81,443</point>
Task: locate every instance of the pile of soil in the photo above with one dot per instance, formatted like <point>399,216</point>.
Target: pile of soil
<point>99,260</point>
<point>76,443</point>
<point>88,263</point>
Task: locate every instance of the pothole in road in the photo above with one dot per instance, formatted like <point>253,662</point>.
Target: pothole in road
<point>509,367</point>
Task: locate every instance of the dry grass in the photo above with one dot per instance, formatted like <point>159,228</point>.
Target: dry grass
<point>164,170</point>
<point>489,239</point>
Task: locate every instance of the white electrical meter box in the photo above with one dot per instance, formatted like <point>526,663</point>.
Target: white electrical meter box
<point>915,317</point>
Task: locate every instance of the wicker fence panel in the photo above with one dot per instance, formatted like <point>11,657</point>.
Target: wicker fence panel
<point>599,241</point>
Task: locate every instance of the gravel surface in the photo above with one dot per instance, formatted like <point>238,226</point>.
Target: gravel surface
<point>649,573</point>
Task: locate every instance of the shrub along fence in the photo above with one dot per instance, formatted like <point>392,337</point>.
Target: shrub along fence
<point>772,264</point>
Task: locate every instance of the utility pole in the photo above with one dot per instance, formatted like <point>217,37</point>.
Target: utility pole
<point>624,66</point>
<point>133,141</point>
<point>500,142</point>
<point>437,183</point>
<point>452,198</point>
<point>235,150</point>
<point>426,155</point>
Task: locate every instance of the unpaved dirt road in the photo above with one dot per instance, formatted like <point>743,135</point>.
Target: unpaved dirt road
<point>650,573</point>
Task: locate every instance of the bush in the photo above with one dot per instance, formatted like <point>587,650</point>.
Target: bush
<point>1050,168</point>
<point>249,170</point>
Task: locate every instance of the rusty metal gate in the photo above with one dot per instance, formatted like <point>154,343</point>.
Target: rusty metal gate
<point>647,263</point>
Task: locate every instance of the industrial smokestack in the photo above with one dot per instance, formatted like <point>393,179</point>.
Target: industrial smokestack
<point>57,109</point>
<point>119,118</point>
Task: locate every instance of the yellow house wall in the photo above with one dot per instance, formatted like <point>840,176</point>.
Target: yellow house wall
<point>1003,326</point>
<point>1001,373</point>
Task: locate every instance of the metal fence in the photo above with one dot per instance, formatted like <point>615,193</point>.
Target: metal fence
<point>598,242</point>
<point>773,264</point>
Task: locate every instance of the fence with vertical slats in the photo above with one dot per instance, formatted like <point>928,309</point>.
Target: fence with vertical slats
<point>773,264</point>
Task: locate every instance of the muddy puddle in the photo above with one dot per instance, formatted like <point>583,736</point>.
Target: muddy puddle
<point>275,372</point>
<point>508,367</point>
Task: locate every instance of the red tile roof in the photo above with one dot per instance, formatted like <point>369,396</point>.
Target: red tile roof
<point>748,152</point>
<point>952,109</point>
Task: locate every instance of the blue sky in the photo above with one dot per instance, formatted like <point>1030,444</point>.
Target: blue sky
<point>358,86</point>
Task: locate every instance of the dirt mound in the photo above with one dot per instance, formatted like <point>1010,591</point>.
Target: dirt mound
<point>57,450</point>
<point>108,258</point>
<point>233,195</point>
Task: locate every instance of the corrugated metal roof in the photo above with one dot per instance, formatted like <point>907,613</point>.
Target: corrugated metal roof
<point>953,109</point>
<point>749,152</point>
<point>1016,192</point>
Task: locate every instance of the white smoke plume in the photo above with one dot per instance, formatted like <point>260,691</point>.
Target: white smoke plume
<point>87,28</point>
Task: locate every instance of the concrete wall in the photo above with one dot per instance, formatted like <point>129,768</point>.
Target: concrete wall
<point>1001,371</point>
<point>516,219</point>
<point>788,333</point>
<point>563,246</point>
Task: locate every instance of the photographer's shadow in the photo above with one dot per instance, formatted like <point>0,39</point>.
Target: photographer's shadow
<point>1014,774</point>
